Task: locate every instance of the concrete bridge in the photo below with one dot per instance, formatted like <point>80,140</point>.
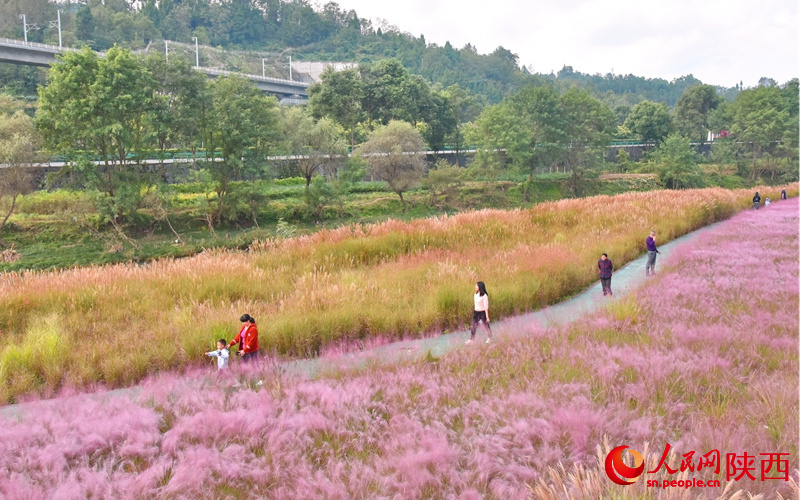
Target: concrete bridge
<point>39,54</point>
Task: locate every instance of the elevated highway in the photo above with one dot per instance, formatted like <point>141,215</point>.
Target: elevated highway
<point>39,54</point>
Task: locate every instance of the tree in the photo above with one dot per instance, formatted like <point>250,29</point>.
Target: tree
<point>240,123</point>
<point>440,120</point>
<point>390,92</point>
<point>316,144</point>
<point>466,108</point>
<point>759,118</point>
<point>588,125</point>
<point>19,143</point>
<point>691,111</point>
<point>180,102</point>
<point>676,163</point>
<point>100,107</point>
<point>338,95</point>
<point>443,180</point>
<point>528,126</point>
<point>650,121</point>
<point>395,154</point>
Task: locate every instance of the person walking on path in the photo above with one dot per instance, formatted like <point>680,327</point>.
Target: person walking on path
<point>767,202</point>
<point>783,194</point>
<point>221,354</point>
<point>606,267</point>
<point>756,201</point>
<point>481,313</point>
<point>247,338</point>
<point>652,252</point>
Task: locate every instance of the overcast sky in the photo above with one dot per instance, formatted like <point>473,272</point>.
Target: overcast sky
<point>720,42</point>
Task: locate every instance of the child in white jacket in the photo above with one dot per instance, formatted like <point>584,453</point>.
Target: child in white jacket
<point>221,354</point>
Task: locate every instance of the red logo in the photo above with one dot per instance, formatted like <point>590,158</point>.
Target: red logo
<point>619,472</point>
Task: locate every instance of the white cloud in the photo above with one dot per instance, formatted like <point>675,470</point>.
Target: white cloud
<point>718,41</point>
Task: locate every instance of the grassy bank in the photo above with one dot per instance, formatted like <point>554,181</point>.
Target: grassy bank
<point>115,324</point>
<point>59,229</point>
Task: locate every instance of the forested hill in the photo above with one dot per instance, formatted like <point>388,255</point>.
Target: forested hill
<point>296,28</point>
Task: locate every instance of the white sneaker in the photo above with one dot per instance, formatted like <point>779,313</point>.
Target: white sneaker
<point>468,342</point>
<point>488,341</point>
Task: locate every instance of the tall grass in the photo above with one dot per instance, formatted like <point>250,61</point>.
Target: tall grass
<point>704,357</point>
<point>394,279</point>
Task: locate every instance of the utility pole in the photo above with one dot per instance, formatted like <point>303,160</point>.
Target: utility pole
<point>290,68</point>
<point>24,27</point>
<point>263,70</point>
<point>196,53</point>
<point>59,27</point>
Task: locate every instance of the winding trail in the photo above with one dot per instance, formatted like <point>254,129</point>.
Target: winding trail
<point>625,280</point>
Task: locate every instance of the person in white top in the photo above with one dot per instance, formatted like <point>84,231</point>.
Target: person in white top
<point>221,354</point>
<point>481,312</point>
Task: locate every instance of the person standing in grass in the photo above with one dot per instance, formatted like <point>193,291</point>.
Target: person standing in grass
<point>756,201</point>
<point>481,313</point>
<point>783,194</point>
<point>606,267</point>
<point>221,354</point>
<point>247,338</point>
<point>767,202</point>
<point>652,252</point>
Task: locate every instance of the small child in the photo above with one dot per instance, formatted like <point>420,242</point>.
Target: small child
<point>767,202</point>
<point>221,354</point>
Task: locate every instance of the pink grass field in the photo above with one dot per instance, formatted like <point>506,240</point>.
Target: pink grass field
<point>705,356</point>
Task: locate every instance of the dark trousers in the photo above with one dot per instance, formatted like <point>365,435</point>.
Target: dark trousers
<point>479,317</point>
<point>250,356</point>
<point>606,282</point>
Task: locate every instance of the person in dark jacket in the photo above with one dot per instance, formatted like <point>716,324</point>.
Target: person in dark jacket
<point>606,267</point>
<point>783,194</point>
<point>652,252</point>
<point>756,201</point>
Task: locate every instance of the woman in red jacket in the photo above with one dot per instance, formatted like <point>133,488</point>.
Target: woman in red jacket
<point>247,338</point>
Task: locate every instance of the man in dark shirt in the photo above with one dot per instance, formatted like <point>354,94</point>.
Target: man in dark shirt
<point>652,251</point>
<point>756,201</point>
<point>606,267</point>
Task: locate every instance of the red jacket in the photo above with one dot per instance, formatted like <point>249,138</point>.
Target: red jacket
<point>247,338</point>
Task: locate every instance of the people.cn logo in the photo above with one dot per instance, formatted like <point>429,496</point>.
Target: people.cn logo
<point>619,472</point>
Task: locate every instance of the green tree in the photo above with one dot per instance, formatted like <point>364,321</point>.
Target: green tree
<point>181,99</point>
<point>759,118</point>
<point>19,144</point>
<point>676,163</point>
<point>317,145</point>
<point>443,181</point>
<point>240,124</point>
<point>100,107</point>
<point>338,95</point>
<point>440,120</point>
<point>395,154</point>
<point>650,121</point>
<point>390,92</point>
<point>529,127</point>
<point>588,126</point>
<point>691,111</point>
<point>466,108</point>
